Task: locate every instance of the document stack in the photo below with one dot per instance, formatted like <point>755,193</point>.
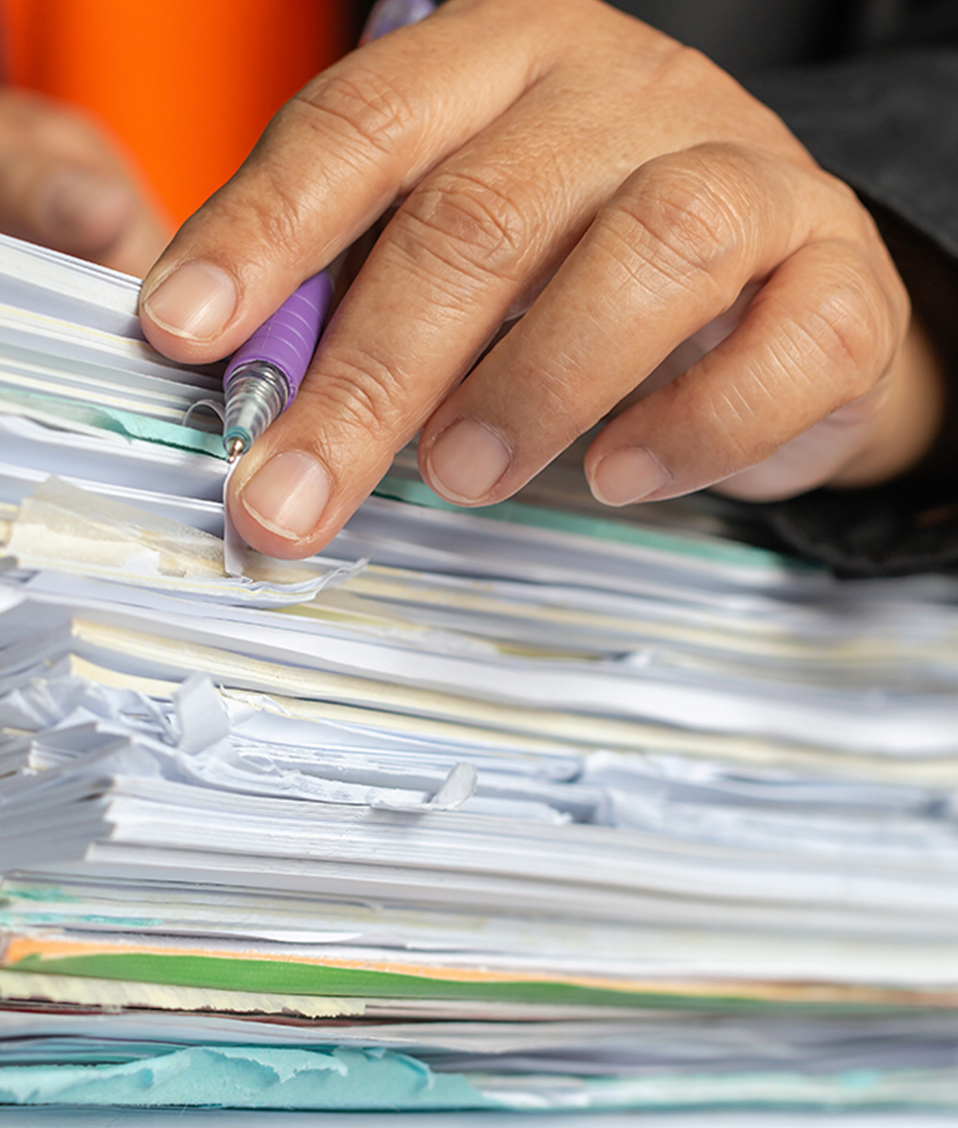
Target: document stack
<point>518,808</point>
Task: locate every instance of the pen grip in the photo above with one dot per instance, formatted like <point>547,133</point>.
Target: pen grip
<point>288,339</point>
<point>388,15</point>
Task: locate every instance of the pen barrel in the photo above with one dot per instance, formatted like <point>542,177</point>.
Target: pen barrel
<point>287,340</point>
<point>388,15</point>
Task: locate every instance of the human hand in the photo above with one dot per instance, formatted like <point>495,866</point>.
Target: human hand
<point>63,184</point>
<point>566,161</point>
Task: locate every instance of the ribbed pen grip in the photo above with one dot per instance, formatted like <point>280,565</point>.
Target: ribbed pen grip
<point>288,339</point>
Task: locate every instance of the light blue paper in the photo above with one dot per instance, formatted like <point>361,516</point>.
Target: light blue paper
<point>215,1118</point>
<point>246,1077</point>
<point>117,421</point>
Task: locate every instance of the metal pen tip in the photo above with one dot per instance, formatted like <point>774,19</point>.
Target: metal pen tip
<point>235,449</point>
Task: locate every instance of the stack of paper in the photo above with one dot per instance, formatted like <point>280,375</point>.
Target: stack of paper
<point>512,809</point>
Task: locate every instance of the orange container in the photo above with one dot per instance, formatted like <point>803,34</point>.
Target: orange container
<point>186,85</point>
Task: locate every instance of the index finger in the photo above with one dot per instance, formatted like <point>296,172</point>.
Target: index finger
<point>331,161</point>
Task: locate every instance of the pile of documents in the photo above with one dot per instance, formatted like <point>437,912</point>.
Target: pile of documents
<point>507,809</point>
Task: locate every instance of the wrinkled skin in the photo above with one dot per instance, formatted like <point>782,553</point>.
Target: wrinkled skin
<point>565,161</point>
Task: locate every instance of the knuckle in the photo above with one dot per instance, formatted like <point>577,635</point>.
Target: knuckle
<point>849,326</point>
<point>679,220</point>
<point>272,216</point>
<point>868,237</point>
<point>686,68</point>
<point>363,394</point>
<point>357,110</point>
<point>476,227</point>
<point>686,210</point>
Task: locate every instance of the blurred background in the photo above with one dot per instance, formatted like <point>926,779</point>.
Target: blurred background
<point>185,86</point>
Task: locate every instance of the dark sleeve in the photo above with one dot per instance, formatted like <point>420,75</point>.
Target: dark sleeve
<point>887,124</point>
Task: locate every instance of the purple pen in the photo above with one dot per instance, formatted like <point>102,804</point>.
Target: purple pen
<point>387,15</point>
<point>264,375</point>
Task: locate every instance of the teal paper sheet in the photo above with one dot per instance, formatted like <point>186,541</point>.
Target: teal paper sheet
<point>222,1118</point>
<point>246,1077</point>
<point>132,426</point>
<point>340,1079</point>
<point>73,414</point>
<point>600,528</point>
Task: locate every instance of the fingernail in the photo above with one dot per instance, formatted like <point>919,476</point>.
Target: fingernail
<point>467,460</point>
<point>84,206</point>
<point>196,300</point>
<point>287,494</point>
<point>628,475</point>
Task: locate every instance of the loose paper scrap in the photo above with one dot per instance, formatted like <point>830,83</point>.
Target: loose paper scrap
<point>201,715</point>
<point>236,552</point>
